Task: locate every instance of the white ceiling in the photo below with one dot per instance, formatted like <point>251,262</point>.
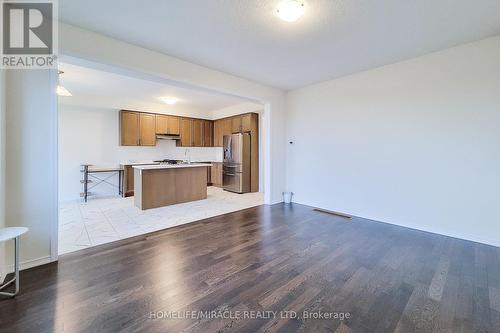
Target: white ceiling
<point>245,38</point>
<point>91,87</point>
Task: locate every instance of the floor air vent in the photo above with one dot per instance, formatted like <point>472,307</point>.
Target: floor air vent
<point>325,211</point>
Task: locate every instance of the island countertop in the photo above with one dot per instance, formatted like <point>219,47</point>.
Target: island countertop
<point>171,166</point>
<point>132,163</point>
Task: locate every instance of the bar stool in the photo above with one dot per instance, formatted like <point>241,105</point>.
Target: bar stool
<point>5,235</point>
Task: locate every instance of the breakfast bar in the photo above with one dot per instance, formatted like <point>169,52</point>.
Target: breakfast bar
<point>163,185</point>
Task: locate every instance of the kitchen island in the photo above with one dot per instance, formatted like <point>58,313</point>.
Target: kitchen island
<point>164,184</point>
<point>128,175</point>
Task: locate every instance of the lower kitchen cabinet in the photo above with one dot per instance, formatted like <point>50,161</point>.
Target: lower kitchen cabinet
<point>216,176</point>
<point>128,181</point>
<point>209,176</point>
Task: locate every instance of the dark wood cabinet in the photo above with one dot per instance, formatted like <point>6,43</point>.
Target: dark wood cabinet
<point>167,124</point>
<point>128,181</point>
<point>197,133</point>
<point>140,128</point>
<point>147,129</point>
<point>246,123</point>
<point>186,132</point>
<point>173,125</point>
<point>161,124</point>
<point>209,176</point>
<point>137,129</point>
<point>249,122</point>
<point>218,133</point>
<point>227,126</point>
<point>236,124</point>
<point>216,176</point>
<point>208,133</point>
<point>129,128</point>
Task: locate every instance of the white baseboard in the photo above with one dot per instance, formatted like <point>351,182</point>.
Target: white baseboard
<point>447,233</point>
<point>27,264</point>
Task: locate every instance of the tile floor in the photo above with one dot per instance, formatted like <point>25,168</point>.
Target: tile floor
<point>106,220</point>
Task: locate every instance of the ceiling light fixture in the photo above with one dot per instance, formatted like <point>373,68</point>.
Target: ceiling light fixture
<point>61,91</point>
<point>168,100</point>
<point>290,10</point>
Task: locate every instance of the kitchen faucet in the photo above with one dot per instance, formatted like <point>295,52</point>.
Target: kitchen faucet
<point>188,154</point>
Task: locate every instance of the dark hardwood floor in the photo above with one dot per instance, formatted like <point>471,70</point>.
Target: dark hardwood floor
<point>268,258</point>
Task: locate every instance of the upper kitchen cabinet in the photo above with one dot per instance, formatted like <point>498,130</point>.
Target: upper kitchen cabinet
<point>137,129</point>
<point>147,129</point>
<point>218,133</point>
<point>185,131</point>
<point>208,133</point>
<point>249,122</point>
<point>167,124</point>
<point>222,127</point>
<point>236,124</point>
<point>173,125</point>
<point>129,128</point>
<point>197,135</point>
<point>161,124</point>
<point>141,128</point>
<point>227,126</point>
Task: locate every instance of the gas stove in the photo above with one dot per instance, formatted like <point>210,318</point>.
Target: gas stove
<point>167,161</point>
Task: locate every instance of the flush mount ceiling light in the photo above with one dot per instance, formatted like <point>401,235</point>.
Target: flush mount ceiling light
<point>61,91</point>
<point>168,100</point>
<point>290,10</point>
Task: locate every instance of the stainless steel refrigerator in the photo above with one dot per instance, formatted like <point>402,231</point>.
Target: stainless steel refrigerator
<point>236,166</point>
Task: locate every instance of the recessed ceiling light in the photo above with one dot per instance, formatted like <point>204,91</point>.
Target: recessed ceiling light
<point>168,100</point>
<point>290,10</point>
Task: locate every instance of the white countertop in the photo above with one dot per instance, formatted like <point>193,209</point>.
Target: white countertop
<point>170,166</point>
<point>138,162</point>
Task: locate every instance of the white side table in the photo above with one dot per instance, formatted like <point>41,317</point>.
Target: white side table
<point>5,235</point>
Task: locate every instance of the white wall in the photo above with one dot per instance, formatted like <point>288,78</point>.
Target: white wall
<point>31,161</point>
<point>2,169</point>
<point>91,135</point>
<point>414,143</point>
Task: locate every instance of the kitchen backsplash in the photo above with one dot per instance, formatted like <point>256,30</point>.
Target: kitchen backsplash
<point>168,149</point>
